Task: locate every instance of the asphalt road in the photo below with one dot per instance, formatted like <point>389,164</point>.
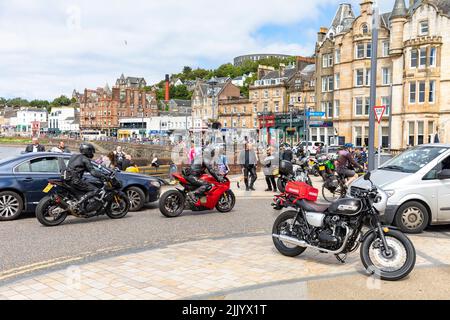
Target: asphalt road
<point>25,242</point>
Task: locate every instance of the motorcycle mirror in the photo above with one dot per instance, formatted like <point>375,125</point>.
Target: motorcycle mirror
<point>367,176</point>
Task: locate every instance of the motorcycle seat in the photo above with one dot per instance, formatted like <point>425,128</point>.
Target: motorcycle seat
<point>314,207</point>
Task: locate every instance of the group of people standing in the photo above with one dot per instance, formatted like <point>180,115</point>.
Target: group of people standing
<point>118,159</point>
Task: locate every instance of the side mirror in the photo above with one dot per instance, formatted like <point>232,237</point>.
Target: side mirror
<point>444,174</point>
<point>367,176</point>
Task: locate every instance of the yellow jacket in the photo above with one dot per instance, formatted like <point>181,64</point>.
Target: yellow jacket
<point>132,169</point>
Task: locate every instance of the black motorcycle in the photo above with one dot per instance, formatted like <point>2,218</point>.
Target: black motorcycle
<point>53,209</point>
<point>337,228</point>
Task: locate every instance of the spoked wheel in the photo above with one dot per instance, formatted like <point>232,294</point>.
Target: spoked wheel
<point>49,213</point>
<point>226,202</point>
<point>282,226</point>
<point>120,206</point>
<point>172,204</point>
<point>331,195</point>
<point>11,206</point>
<point>393,265</point>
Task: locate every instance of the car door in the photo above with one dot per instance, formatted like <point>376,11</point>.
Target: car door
<point>33,175</point>
<point>440,190</point>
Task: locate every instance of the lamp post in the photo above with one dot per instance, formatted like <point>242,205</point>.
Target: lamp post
<point>213,83</point>
<point>142,123</point>
<point>373,86</point>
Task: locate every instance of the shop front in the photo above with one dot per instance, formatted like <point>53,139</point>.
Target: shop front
<point>290,130</point>
<point>267,131</point>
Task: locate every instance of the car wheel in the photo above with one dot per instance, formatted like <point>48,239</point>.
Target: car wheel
<point>412,217</point>
<point>11,206</point>
<point>137,198</point>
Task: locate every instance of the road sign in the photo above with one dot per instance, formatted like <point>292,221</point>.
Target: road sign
<point>379,112</point>
<point>315,114</point>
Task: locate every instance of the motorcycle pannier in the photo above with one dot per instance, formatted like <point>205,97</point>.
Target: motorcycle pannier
<point>286,168</point>
<point>302,191</point>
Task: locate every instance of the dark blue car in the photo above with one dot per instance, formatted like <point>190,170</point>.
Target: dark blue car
<point>23,178</point>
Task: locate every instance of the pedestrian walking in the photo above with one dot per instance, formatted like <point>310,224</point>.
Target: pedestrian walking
<point>249,161</point>
<point>222,163</point>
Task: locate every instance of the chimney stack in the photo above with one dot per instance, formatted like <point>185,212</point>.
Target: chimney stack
<point>321,34</point>
<point>167,97</point>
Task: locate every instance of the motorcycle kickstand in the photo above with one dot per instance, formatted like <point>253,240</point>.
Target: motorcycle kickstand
<point>341,259</point>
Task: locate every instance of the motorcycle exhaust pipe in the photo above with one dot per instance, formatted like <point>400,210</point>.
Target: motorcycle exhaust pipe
<point>301,243</point>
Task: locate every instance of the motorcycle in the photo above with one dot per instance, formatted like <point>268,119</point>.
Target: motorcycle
<point>174,202</point>
<point>337,229</point>
<point>53,209</point>
<point>293,172</point>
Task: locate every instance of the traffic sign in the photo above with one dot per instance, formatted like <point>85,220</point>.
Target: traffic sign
<point>315,114</point>
<point>379,112</point>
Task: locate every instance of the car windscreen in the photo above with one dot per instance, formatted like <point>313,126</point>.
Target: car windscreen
<point>414,159</point>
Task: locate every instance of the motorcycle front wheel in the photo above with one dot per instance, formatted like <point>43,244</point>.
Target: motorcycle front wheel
<point>50,214</point>
<point>172,204</point>
<point>120,206</point>
<point>226,202</point>
<point>391,267</point>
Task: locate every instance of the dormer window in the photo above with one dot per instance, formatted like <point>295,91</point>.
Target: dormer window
<point>365,29</point>
<point>423,28</point>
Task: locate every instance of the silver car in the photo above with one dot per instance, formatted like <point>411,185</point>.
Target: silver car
<point>418,185</point>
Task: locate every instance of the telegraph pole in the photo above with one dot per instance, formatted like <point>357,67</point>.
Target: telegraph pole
<point>373,86</point>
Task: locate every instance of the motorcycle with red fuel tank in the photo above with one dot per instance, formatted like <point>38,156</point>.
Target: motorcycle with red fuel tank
<point>174,202</point>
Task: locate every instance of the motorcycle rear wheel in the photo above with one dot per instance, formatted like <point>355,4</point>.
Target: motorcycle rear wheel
<point>119,207</point>
<point>372,256</point>
<point>44,213</point>
<point>172,204</point>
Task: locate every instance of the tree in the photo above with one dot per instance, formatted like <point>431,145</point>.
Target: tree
<point>39,103</point>
<point>18,102</point>
<point>3,101</point>
<point>61,101</point>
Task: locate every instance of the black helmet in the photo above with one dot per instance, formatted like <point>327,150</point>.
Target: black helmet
<point>87,149</point>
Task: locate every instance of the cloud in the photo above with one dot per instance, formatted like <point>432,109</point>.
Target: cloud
<point>50,47</point>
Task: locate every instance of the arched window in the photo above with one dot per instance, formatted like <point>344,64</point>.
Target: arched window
<point>365,28</point>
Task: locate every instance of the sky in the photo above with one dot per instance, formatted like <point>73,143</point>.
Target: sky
<point>50,47</point>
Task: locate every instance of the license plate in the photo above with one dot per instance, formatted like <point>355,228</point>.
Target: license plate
<point>48,188</point>
<point>321,168</point>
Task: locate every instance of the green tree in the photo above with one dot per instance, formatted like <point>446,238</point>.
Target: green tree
<point>3,101</point>
<point>61,101</point>
<point>39,104</point>
<point>18,102</point>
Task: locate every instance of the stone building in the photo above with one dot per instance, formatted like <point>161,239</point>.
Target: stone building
<point>412,52</point>
<point>206,100</point>
<point>237,114</point>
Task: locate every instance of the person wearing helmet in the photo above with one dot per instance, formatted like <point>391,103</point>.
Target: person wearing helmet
<point>77,166</point>
<point>344,161</point>
<point>200,165</point>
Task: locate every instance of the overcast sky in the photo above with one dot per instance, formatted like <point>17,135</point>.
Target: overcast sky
<point>50,47</point>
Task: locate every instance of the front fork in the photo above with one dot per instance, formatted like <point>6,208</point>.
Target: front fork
<point>381,233</point>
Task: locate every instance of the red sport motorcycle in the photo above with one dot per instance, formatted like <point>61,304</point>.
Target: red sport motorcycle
<point>174,202</point>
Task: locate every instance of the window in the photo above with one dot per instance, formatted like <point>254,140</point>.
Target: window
<point>330,60</point>
<point>412,92</point>
<point>386,75</point>
<point>324,61</point>
<point>266,94</point>
<point>277,107</point>
<point>336,108</point>
<point>430,131</point>
<point>385,137</point>
<point>255,108</point>
<point>368,50</point>
<point>421,91</point>
<point>423,57</point>
<point>420,133</point>
<point>327,60</point>
<point>359,106</point>
<point>337,81</point>
<point>414,54</point>
<point>358,136</point>
<point>42,165</point>
<point>365,29</point>
<point>337,56</point>
<point>386,101</point>
<point>423,28</point>
<point>329,111</point>
<point>411,139</point>
<point>360,51</point>
<point>330,83</point>
<point>327,84</point>
<point>432,93</point>
<point>385,48</point>
<point>359,77</point>
<point>324,84</point>
<point>367,77</point>
<point>432,61</point>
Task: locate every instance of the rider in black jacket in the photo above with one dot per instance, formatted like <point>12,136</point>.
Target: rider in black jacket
<point>78,165</point>
<point>199,167</point>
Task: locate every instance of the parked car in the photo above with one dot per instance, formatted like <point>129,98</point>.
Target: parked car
<point>313,147</point>
<point>23,178</point>
<point>418,185</point>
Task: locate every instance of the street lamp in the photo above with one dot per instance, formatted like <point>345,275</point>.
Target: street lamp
<point>141,108</point>
<point>213,83</point>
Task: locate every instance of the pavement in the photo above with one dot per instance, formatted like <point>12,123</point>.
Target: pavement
<point>231,264</point>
